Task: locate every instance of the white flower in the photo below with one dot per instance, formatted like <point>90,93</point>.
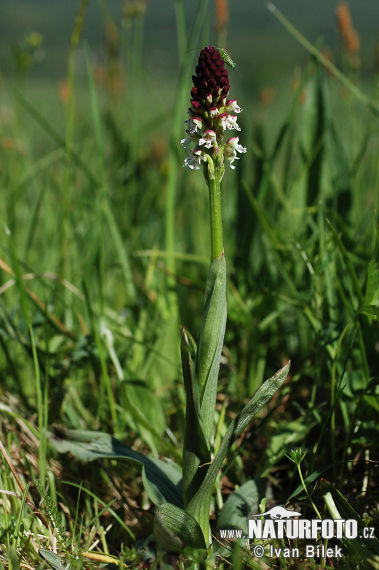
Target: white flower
<point>228,121</point>
<point>231,149</point>
<point>209,139</point>
<point>231,122</point>
<point>192,162</point>
<point>213,112</point>
<point>222,120</point>
<point>232,107</point>
<point>232,145</point>
<point>193,131</point>
<point>195,125</point>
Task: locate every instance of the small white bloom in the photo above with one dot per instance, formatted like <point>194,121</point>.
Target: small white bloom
<point>195,125</point>
<point>231,122</point>
<point>208,139</point>
<point>228,121</point>
<point>192,163</point>
<point>232,145</point>
<point>198,123</point>
<point>222,120</point>
<point>213,112</point>
<point>193,160</point>
<point>232,107</point>
<point>231,149</point>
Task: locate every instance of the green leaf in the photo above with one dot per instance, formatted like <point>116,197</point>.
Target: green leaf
<point>312,132</point>
<point>196,447</point>
<point>243,502</point>
<point>372,286</point>
<point>53,560</point>
<point>146,414</point>
<point>161,364</point>
<point>348,263</point>
<point>161,479</point>
<point>174,529</point>
<point>339,508</point>
<point>311,478</point>
<point>287,434</point>
<point>211,341</point>
<point>200,503</point>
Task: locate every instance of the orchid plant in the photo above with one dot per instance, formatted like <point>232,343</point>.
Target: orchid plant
<point>211,114</point>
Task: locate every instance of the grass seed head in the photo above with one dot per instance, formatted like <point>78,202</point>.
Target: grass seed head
<point>349,36</point>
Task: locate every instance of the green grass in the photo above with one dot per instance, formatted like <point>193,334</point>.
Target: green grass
<point>104,253</point>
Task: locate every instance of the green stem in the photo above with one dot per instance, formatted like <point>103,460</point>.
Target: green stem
<point>306,491</point>
<point>217,242</point>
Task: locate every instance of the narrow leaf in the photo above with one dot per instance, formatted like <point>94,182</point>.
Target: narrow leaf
<point>196,447</point>
<point>339,508</point>
<point>348,263</point>
<point>314,133</point>
<point>211,341</point>
<point>200,503</point>
<point>372,286</point>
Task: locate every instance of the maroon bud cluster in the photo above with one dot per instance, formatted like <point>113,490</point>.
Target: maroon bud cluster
<point>212,81</point>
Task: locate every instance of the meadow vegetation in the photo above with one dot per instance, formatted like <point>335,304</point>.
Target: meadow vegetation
<point>104,254</point>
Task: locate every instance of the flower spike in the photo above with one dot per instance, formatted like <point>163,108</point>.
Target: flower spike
<point>211,114</point>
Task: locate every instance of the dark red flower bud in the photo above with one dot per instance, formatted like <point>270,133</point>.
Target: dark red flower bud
<point>211,80</point>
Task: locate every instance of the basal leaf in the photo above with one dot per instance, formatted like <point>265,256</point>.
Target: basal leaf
<point>162,479</point>
<point>53,560</point>
<point>174,529</point>
<point>240,504</point>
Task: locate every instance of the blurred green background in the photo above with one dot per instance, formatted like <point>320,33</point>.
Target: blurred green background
<point>269,60</point>
<point>262,47</point>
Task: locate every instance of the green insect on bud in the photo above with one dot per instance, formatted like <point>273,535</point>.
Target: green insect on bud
<point>226,57</point>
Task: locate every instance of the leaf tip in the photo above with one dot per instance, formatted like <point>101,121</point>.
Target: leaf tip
<point>184,336</point>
